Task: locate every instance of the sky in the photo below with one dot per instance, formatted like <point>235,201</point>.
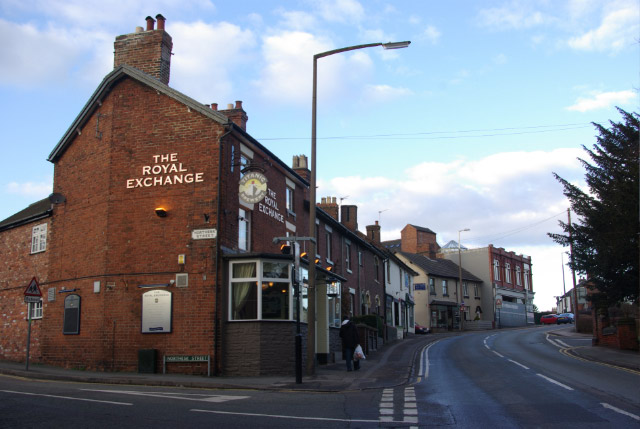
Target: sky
<point>463,129</point>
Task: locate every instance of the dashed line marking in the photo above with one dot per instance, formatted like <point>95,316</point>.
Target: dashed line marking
<point>551,380</point>
<point>66,397</point>
<point>497,353</point>
<point>519,364</point>
<point>618,410</point>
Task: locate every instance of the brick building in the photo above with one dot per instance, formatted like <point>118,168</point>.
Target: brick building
<point>159,237</point>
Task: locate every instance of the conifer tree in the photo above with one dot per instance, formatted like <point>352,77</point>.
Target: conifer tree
<point>605,233</point>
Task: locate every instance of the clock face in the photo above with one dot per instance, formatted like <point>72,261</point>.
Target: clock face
<point>253,187</point>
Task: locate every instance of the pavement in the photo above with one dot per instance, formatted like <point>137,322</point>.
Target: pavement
<point>391,365</point>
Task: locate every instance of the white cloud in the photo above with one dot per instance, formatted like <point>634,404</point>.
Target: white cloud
<point>205,56</point>
<point>384,93</point>
<point>618,29</point>
<point>515,15</point>
<point>604,100</point>
<point>31,189</point>
<point>33,57</point>
<point>431,34</point>
<point>344,11</point>
<point>297,20</point>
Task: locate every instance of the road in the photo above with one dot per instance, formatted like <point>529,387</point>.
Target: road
<point>509,378</point>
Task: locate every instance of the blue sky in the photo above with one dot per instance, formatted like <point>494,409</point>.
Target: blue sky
<point>461,130</point>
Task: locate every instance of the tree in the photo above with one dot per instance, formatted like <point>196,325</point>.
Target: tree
<point>605,233</point>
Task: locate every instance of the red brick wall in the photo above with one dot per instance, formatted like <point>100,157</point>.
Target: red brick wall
<point>17,267</point>
<point>149,51</point>
<point>109,232</point>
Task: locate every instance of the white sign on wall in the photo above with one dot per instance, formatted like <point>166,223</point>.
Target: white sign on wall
<point>204,234</point>
<point>156,312</point>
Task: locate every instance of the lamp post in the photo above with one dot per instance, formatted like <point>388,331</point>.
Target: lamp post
<point>460,275</point>
<point>311,312</point>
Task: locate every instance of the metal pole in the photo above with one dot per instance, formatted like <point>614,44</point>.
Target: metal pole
<point>28,337</point>
<point>573,276</point>
<point>311,311</point>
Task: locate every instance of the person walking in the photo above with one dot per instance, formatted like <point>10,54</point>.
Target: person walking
<point>350,340</point>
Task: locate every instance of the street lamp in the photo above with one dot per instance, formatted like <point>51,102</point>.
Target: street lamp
<point>460,275</point>
<point>311,312</point>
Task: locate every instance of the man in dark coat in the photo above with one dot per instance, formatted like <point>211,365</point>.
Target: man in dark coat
<point>350,340</point>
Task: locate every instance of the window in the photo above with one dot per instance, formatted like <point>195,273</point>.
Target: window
<point>465,289</point>
<point>244,163</point>
<point>328,244</point>
<point>290,194</point>
<point>518,276</point>
<point>376,267</point>
<point>496,270</point>
<point>389,310</point>
<point>347,256</point>
<point>260,290</point>
<point>527,273</point>
<point>507,272</point>
<point>39,238</point>
<point>445,288</point>
<point>432,286</point>
<point>476,291</point>
<point>244,229</point>
<point>35,310</point>
<point>387,264</point>
<point>360,261</point>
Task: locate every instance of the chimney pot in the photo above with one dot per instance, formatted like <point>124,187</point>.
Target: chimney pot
<point>229,106</point>
<point>323,200</point>
<point>139,29</point>
<point>161,19</point>
<point>214,106</point>
<point>150,23</point>
<point>238,104</point>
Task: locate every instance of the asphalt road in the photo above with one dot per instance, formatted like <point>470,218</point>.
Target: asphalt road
<point>515,378</point>
<point>522,378</point>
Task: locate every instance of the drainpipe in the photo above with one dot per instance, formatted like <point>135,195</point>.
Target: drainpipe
<point>217,323</point>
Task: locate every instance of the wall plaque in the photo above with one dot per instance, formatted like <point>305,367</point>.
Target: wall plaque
<point>156,312</point>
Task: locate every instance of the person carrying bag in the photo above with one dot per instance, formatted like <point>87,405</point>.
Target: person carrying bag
<point>350,341</point>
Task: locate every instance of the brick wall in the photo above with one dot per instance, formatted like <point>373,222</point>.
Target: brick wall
<point>17,267</point>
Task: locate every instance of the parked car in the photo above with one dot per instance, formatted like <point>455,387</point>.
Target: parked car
<point>565,318</point>
<point>421,329</point>
<point>549,319</point>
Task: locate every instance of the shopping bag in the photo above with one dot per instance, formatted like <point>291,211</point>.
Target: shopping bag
<point>358,354</point>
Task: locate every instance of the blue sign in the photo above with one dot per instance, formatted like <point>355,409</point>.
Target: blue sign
<point>420,286</point>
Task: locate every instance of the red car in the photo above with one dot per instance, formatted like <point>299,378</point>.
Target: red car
<point>549,319</point>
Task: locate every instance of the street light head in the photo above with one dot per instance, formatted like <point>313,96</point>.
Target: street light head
<point>396,45</point>
<point>464,230</point>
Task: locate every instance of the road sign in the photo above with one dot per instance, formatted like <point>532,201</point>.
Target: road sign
<point>33,289</point>
<point>28,298</point>
<point>498,303</point>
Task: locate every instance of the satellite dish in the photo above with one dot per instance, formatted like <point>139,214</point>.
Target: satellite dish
<point>56,198</point>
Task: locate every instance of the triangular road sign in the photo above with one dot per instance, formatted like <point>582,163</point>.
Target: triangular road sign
<point>33,289</point>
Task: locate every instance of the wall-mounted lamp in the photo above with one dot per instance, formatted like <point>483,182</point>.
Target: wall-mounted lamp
<point>317,261</point>
<point>329,268</point>
<point>161,212</point>
<point>303,255</point>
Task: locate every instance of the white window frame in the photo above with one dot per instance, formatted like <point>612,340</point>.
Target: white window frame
<point>328,243</point>
<point>39,238</point>
<point>445,288</point>
<point>507,272</point>
<point>290,200</point>
<point>518,276</point>
<point>259,279</point>
<point>496,270</point>
<point>347,258</point>
<point>476,290</point>
<point>432,286</point>
<point>35,309</point>
<point>465,290</point>
<point>244,225</point>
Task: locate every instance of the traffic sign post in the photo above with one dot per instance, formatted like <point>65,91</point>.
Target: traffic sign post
<point>32,294</point>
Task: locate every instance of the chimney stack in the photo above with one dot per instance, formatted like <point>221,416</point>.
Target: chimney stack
<point>373,233</point>
<point>236,114</point>
<point>330,206</point>
<point>149,51</point>
<point>301,166</point>
<point>349,217</point>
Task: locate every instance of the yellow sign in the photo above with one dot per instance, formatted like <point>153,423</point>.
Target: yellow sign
<point>253,187</point>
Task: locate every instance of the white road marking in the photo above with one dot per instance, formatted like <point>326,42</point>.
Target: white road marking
<point>66,397</point>
<point>618,410</point>
<point>276,416</point>
<point>562,343</point>
<point>555,382</point>
<point>497,353</point>
<point>519,364</point>
<point>184,397</point>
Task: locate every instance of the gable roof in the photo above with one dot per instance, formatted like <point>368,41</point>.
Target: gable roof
<point>439,267</point>
<point>421,228</point>
<point>35,211</point>
<point>105,87</point>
